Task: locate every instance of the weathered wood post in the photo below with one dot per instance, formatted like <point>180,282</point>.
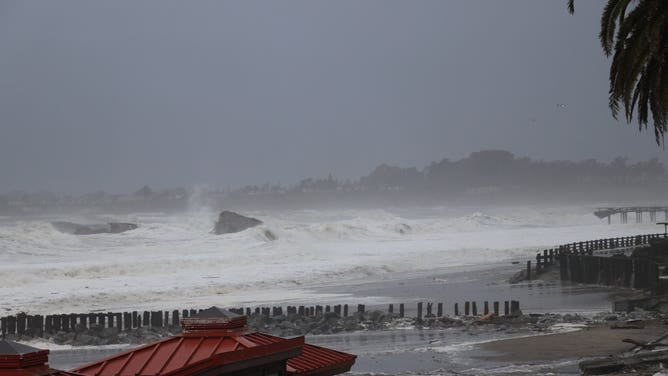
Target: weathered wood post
<point>147,319</point>
<point>176,320</point>
<point>390,309</point>
<point>419,311</point>
<point>20,324</point>
<point>73,321</point>
<point>48,324</point>
<point>360,308</point>
<point>506,308</point>
<point>65,321</point>
<point>345,310</point>
<point>337,309</point>
<point>563,266</point>
<point>57,323</point>
<point>439,310</point>
<point>38,325</point>
<point>539,264</point>
<point>11,324</point>
<point>456,309</point>
<point>127,321</point>
<point>529,270</point>
<point>401,310</point>
<point>301,311</point>
<point>429,314</point>
<point>474,308</point>
<point>485,307</point>
<point>467,308</point>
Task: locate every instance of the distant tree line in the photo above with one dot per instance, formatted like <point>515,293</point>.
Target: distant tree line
<point>495,174</point>
<point>485,172</point>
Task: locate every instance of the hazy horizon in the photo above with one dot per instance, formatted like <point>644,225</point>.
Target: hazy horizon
<point>115,95</point>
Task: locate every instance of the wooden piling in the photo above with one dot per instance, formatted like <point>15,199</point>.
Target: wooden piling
<point>439,310</point>
<point>401,310</point>
<point>474,308</point>
<point>467,308</point>
<point>485,309</point>
<point>419,311</point>
<point>456,309</point>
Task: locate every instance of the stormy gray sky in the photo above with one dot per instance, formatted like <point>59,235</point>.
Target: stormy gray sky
<point>112,95</point>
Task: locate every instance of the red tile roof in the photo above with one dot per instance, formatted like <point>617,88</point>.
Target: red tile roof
<point>218,341</point>
<point>313,359</point>
<point>184,354</point>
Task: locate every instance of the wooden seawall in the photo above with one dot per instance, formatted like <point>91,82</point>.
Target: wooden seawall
<point>44,325</point>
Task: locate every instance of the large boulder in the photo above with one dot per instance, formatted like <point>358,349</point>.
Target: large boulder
<point>104,228</point>
<point>229,222</point>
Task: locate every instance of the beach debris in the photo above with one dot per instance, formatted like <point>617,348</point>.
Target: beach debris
<point>487,317</point>
<point>626,326</point>
<point>644,346</point>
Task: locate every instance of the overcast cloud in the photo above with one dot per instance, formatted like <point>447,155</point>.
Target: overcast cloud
<point>117,94</point>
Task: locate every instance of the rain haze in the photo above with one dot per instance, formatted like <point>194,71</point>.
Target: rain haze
<point>114,95</point>
<point>293,160</point>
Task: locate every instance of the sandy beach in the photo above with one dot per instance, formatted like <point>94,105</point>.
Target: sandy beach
<point>594,341</point>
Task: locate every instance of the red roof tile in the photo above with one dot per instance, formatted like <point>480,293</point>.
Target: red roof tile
<point>313,359</point>
<point>218,342</point>
<point>183,352</point>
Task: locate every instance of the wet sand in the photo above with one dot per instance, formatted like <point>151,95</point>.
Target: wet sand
<point>475,283</point>
<point>594,341</point>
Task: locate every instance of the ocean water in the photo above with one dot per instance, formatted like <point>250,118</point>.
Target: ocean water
<point>173,261</point>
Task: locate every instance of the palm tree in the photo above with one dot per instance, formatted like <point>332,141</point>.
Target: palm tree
<point>635,32</point>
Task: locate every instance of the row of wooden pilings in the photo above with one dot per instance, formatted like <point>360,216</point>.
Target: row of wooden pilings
<point>39,325</point>
<point>639,273</point>
<point>586,248</point>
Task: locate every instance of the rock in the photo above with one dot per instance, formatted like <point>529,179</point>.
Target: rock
<point>105,228</point>
<point>230,222</point>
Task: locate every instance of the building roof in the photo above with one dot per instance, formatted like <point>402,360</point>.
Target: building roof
<point>219,341</point>
<point>20,360</point>
<point>314,360</point>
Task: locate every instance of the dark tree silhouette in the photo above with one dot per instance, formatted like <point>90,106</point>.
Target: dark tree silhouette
<point>635,33</point>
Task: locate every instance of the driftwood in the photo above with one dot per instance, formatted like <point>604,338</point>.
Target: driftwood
<point>644,346</point>
<point>486,317</point>
<point>616,364</point>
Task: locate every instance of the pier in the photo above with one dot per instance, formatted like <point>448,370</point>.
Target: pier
<point>638,210</point>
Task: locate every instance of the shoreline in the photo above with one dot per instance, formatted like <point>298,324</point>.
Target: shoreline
<point>596,340</point>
